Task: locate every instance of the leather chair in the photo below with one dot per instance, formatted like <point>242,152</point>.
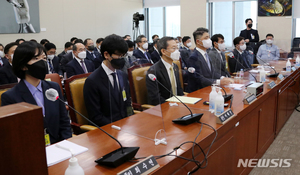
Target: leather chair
<point>55,78</point>
<point>4,88</point>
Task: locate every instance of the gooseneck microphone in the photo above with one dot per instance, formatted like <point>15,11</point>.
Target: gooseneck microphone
<point>271,75</point>
<point>185,120</point>
<point>112,159</point>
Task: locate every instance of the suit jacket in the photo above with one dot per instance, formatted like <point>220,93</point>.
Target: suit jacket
<point>203,76</point>
<point>185,55</point>
<point>60,56</point>
<point>242,62</point>
<point>7,75</point>
<point>97,61</point>
<point>156,93</point>
<point>102,105</point>
<point>56,119</point>
<point>74,68</point>
<point>219,63</point>
<point>65,60</point>
<point>56,66</point>
<point>245,35</point>
<point>155,57</point>
<point>139,55</point>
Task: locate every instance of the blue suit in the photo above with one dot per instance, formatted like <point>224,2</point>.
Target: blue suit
<point>97,60</point>
<point>155,57</point>
<point>65,60</point>
<point>56,66</point>
<point>242,63</point>
<point>139,55</point>
<point>102,105</point>
<point>203,76</point>
<point>56,119</point>
<point>7,75</point>
<point>74,68</point>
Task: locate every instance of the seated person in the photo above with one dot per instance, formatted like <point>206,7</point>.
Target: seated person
<point>241,57</point>
<point>106,90</point>
<point>205,74</point>
<point>68,49</point>
<point>30,67</point>
<point>141,52</point>
<point>79,64</point>
<point>52,59</point>
<point>92,52</point>
<point>2,55</point>
<point>185,52</point>
<point>155,57</point>
<point>6,73</point>
<point>268,52</point>
<point>166,72</point>
<point>217,55</point>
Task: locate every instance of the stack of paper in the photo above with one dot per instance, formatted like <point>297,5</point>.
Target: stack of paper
<point>188,100</point>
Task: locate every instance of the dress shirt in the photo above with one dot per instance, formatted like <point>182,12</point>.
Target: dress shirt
<point>79,61</point>
<point>267,53</point>
<point>37,93</point>
<point>167,66</point>
<point>108,73</point>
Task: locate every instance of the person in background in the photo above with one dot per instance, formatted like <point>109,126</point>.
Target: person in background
<point>73,39</point>
<point>52,59</point>
<point>2,55</point>
<point>185,52</point>
<point>19,41</point>
<point>98,44</point>
<point>127,37</point>
<point>6,73</point>
<point>92,53</point>
<point>155,57</point>
<point>68,49</point>
<point>130,60</point>
<point>44,41</point>
<point>30,67</point>
<point>268,52</point>
<point>179,38</point>
<point>250,36</point>
<point>150,47</point>
<point>68,57</point>
<point>141,52</point>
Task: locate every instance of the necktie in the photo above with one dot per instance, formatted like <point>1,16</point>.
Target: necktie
<point>207,61</point>
<point>83,67</point>
<point>115,88</point>
<point>172,77</point>
<point>50,65</point>
<point>145,53</point>
<point>93,55</point>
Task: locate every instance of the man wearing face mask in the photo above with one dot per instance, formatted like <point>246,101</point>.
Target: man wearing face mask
<point>155,57</point>
<point>185,52</point>
<point>98,43</point>
<point>141,52</point>
<point>205,73</point>
<point>2,55</point>
<point>268,52</point>
<point>52,59</point>
<point>79,64</point>
<point>217,55</point>
<point>92,53</point>
<point>241,57</point>
<point>130,60</point>
<point>106,90</point>
<point>166,72</point>
<point>250,35</point>
<point>68,49</point>
<point>6,73</point>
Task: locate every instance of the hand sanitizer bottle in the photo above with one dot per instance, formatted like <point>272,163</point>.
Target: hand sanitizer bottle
<point>212,96</point>
<point>74,168</point>
<point>298,61</point>
<point>288,65</point>
<point>219,103</point>
<point>262,75</point>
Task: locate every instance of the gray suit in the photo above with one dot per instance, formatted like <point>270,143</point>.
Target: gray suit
<point>218,63</point>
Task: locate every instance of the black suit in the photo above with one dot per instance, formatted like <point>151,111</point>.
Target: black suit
<point>74,68</point>
<point>7,75</point>
<point>246,34</point>
<point>155,57</point>
<point>97,60</point>
<point>56,119</point>
<point>185,55</point>
<point>56,66</point>
<point>139,55</point>
<point>65,60</point>
<point>219,62</point>
<point>102,105</point>
<point>242,62</point>
<point>60,56</point>
<point>159,94</point>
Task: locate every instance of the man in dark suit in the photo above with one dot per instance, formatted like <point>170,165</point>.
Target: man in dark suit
<point>155,57</point>
<point>241,57</point>
<point>150,46</point>
<point>250,35</point>
<point>68,49</point>
<point>204,74</point>
<point>141,52</point>
<point>106,90</point>
<point>1,55</point>
<point>6,73</point>
<point>217,55</point>
<point>69,56</point>
<point>52,60</point>
<point>79,65</point>
<point>166,72</point>
<point>185,52</point>
<point>92,53</point>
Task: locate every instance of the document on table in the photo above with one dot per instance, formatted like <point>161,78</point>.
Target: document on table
<point>257,71</point>
<point>184,99</point>
<point>55,155</point>
<point>236,85</point>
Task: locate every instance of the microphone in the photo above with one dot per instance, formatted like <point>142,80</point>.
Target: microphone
<point>271,75</point>
<point>226,97</point>
<point>244,68</point>
<point>112,159</point>
<point>185,120</point>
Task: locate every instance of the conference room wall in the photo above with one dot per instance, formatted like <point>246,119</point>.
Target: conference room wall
<point>64,19</point>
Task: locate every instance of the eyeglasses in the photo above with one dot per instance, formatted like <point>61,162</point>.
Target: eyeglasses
<point>119,56</point>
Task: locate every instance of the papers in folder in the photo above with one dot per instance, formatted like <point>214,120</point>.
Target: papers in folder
<point>55,155</point>
<point>188,100</point>
<point>257,71</point>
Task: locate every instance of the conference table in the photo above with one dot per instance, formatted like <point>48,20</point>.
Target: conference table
<point>248,134</point>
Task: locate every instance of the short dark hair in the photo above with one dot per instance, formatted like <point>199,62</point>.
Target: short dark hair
<point>68,44</point>
<point>2,45</point>
<point>114,44</point>
<point>33,40</point>
<point>237,40</point>
<point>215,38</point>
<point>73,38</point>
<point>8,46</point>
<point>155,41</point>
<point>23,54</point>
<point>139,38</point>
<point>86,40</point>
<point>199,32</point>
<point>99,40</point>
<point>130,44</point>
<point>163,43</point>
<point>154,36</point>
<point>269,34</point>
<point>43,41</point>
<point>126,36</point>
<point>248,19</point>
<point>78,41</point>
<point>185,38</point>
<point>49,46</point>
<point>18,40</point>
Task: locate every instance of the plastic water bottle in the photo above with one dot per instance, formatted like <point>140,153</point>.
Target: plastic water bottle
<point>212,96</point>
<point>241,73</point>
<point>288,65</point>
<point>298,61</point>
<point>219,103</point>
<point>262,75</point>
<point>74,168</point>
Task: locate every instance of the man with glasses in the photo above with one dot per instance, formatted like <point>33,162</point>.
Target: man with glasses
<point>141,52</point>
<point>52,59</point>
<point>106,90</point>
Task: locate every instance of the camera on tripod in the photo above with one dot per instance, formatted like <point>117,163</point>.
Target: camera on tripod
<point>138,17</point>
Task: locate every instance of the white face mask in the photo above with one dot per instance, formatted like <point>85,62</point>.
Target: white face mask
<point>269,41</point>
<point>99,46</point>
<point>145,46</point>
<point>130,53</point>
<point>221,46</point>
<point>175,55</point>
<point>50,57</point>
<point>1,54</point>
<point>189,44</point>
<point>178,45</point>
<point>82,55</point>
<point>12,57</point>
<point>207,43</point>
<point>68,51</point>
<point>243,47</point>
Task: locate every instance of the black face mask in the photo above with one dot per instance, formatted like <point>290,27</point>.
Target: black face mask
<point>118,63</point>
<point>91,48</point>
<point>250,26</point>
<point>38,69</point>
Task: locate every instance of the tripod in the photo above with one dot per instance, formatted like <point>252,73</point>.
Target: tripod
<point>136,30</point>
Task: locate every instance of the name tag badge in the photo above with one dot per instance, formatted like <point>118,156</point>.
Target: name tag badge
<point>124,95</point>
<point>47,138</point>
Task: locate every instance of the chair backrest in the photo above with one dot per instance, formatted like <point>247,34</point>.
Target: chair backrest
<point>74,93</point>
<point>180,72</point>
<point>227,58</point>
<point>55,78</point>
<point>4,88</point>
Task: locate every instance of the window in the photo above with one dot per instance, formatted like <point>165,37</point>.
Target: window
<point>298,27</point>
<point>173,21</point>
<point>156,22</point>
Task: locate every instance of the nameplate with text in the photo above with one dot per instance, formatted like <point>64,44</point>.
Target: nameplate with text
<point>271,85</point>
<point>141,168</point>
<point>280,77</point>
<point>225,116</point>
<point>293,69</point>
<point>249,99</point>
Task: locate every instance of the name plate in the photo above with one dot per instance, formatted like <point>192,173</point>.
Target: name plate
<point>249,99</point>
<point>141,168</point>
<point>271,85</point>
<point>225,116</point>
<point>293,69</point>
<point>280,77</point>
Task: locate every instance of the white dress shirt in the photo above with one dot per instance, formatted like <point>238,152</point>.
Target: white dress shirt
<point>108,73</point>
